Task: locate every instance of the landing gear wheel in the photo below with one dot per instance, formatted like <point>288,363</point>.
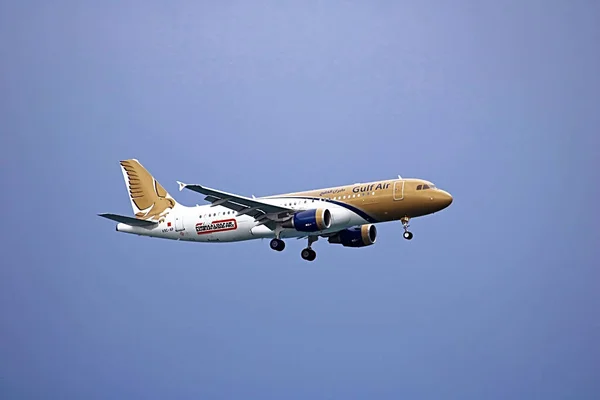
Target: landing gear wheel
<point>407,234</point>
<point>277,244</point>
<point>308,254</point>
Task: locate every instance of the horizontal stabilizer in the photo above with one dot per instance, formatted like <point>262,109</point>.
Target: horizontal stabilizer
<point>129,220</point>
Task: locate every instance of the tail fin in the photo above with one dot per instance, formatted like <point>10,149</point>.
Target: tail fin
<point>149,200</point>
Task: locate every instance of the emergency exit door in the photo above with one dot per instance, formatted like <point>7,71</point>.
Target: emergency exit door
<point>179,224</point>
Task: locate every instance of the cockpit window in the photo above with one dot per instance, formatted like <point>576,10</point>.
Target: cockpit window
<point>425,187</point>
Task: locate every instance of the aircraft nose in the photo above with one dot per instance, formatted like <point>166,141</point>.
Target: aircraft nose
<point>446,199</point>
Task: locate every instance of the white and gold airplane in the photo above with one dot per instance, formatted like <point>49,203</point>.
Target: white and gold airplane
<point>345,214</point>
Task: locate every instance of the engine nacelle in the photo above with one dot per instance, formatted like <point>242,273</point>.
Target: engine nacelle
<point>364,235</point>
<point>310,220</point>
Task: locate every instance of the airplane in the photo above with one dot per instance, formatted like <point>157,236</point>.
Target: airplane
<point>344,215</point>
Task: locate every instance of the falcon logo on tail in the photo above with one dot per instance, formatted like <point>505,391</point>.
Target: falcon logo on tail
<point>149,200</point>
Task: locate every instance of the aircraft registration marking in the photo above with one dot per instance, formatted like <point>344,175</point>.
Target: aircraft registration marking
<point>216,226</point>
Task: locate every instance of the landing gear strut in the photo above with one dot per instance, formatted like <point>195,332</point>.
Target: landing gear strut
<point>308,253</point>
<point>407,234</point>
<point>277,244</point>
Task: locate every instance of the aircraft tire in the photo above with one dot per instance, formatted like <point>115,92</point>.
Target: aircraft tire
<point>277,244</point>
<point>308,254</point>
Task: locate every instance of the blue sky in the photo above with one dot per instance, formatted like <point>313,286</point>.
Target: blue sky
<point>495,297</point>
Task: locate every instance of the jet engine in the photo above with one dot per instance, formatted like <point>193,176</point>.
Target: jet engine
<point>361,236</point>
<point>310,220</point>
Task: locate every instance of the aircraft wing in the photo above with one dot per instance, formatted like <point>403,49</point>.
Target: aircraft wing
<point>264,213</point>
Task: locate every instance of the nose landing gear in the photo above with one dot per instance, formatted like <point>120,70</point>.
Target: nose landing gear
<point>407,234</point>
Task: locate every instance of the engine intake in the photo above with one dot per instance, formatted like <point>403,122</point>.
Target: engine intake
<point>364,235</point>
<point>310,220</point>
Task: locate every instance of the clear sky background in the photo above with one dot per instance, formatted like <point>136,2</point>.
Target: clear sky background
<point>496,297</point>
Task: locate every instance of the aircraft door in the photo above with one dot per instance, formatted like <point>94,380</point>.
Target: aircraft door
<point>179,224</point>
<point>398,190</point>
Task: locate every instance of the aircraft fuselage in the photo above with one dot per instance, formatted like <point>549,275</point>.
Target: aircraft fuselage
<point>350,205</point>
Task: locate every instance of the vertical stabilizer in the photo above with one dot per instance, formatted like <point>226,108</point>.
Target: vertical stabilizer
<point>149,200</point>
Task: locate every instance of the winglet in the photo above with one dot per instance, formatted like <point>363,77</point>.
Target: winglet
<point>181,185</point>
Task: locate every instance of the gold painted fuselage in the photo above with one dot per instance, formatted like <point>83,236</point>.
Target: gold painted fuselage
<point>387,200</point>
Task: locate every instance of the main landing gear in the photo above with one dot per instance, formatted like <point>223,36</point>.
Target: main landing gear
<point>407,234</point>
<point>308,253</point>
<point>277,244</point>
